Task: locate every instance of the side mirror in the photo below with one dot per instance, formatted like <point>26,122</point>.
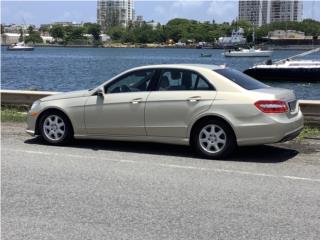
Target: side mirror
<point>99,92</point>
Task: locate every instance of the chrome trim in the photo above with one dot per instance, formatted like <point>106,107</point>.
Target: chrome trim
<point>30,132</point>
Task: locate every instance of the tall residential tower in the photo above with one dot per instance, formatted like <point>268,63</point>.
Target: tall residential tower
<point>112,13</point>
<point>260,12</point>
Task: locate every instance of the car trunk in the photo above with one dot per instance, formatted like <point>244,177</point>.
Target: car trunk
<point>280,94</point>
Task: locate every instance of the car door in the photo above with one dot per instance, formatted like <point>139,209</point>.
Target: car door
<point>180,96</point>
<point>120,109</point>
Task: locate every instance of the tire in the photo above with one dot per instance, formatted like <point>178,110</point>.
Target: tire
<point>214,139</point>
<point>55,128</point>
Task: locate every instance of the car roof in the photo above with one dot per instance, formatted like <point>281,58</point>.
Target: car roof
<point>184,66</point>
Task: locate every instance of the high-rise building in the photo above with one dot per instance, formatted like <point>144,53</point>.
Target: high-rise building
<point>260,12</point>
<point>114,13</point>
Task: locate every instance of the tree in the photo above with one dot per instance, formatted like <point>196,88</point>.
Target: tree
<point>93,29</point>
<point>57,31</point>
<point>21,35</point>
<point>30,29</point>
<point>34,37</point>
<point>73,33</point>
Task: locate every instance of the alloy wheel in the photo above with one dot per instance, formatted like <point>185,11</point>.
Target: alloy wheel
<point>212,138</point>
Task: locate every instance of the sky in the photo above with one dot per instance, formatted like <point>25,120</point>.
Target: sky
<point>42,12</point>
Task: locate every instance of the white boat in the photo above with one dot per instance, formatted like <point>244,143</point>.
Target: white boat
<point>236,38</point>
<point>20,46</point>
<point>252,52</point>
<point>288,69</point>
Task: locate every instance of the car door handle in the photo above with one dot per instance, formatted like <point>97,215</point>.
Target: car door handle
<point>136,100</point>
<point>194,99</point>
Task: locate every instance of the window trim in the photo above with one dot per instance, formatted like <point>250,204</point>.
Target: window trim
<point>105,87</point>
<point>160,70</point>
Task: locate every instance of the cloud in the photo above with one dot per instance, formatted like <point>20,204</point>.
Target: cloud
<point>22,16</point>
<point>222,11</point>
<point>187,3</point>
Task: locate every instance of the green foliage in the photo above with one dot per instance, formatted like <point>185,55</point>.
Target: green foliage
<point>11,113</point>
<point>33,37</point>
<point>21,35</point>
<point>180,29</point>
<point>309,132</point>
<point>73,33</point>
<point>57,31</point>
<point>93,29</point>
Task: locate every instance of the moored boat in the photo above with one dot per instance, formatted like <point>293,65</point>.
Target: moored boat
<point>252,52</point>
<point>206,55</point>
<point>237,38</point>
<point>21,46</point>
<point>288,69</point>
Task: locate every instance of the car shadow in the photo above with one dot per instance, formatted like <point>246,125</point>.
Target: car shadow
<point>261,154</point>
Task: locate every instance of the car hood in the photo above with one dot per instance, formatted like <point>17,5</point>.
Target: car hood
<point>74,94</point>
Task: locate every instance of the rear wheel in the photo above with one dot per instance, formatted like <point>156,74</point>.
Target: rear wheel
<point>55,128</point>
<point>213,139</point>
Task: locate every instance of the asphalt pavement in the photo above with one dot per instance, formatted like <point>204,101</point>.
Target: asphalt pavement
<point>123,190</point>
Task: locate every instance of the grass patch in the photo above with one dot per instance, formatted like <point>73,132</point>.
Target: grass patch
<point>308,132</point>
<point>10,113</point>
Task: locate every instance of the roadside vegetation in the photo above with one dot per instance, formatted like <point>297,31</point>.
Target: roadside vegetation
<point>10,113</point>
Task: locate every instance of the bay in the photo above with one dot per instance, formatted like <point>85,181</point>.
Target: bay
<point>69,69</point>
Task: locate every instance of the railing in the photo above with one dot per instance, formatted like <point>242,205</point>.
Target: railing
<point>310,108</point>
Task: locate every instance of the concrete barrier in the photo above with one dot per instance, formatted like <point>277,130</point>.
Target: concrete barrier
<point>310,108</point>
<point>16,97</point>
<point>311,111</point>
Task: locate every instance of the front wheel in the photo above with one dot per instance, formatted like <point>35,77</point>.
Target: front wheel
<point>214,139</point>
<point>55,128</point>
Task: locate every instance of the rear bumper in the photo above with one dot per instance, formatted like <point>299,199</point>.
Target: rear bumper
<point>292,135</point>
<point>270,130</point>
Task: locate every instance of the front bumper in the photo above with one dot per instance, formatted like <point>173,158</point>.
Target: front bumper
<point>30,132</point>
<point>31,124</point>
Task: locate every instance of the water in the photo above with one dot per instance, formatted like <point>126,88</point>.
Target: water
<point>68,69</point>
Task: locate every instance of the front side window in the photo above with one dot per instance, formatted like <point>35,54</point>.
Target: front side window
<point>182,80</point>
<point>137,81</point>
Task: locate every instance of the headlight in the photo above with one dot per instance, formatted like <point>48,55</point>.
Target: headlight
<point>35,104</point>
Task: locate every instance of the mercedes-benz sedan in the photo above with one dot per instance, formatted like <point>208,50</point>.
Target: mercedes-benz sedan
<point>212,108</point>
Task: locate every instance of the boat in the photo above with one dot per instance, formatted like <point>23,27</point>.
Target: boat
<point>206,55</point>
<point>20,46</point>
<point>251,52</point>
<point>288,69</point>
<point>236,38</point>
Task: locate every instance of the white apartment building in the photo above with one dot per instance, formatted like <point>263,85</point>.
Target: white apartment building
<point>114,13</point>
<point>260,12</point>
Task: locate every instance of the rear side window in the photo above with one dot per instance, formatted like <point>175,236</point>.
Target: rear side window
<point>241,79</point>
<point>182,80</point>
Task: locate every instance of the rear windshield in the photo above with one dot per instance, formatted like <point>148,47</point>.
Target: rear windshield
<point>241,79</point>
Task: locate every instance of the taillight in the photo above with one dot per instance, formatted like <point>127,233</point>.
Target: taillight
<point>272,106</point>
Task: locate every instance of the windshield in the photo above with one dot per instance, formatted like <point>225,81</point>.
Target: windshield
<point>241,79</point>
